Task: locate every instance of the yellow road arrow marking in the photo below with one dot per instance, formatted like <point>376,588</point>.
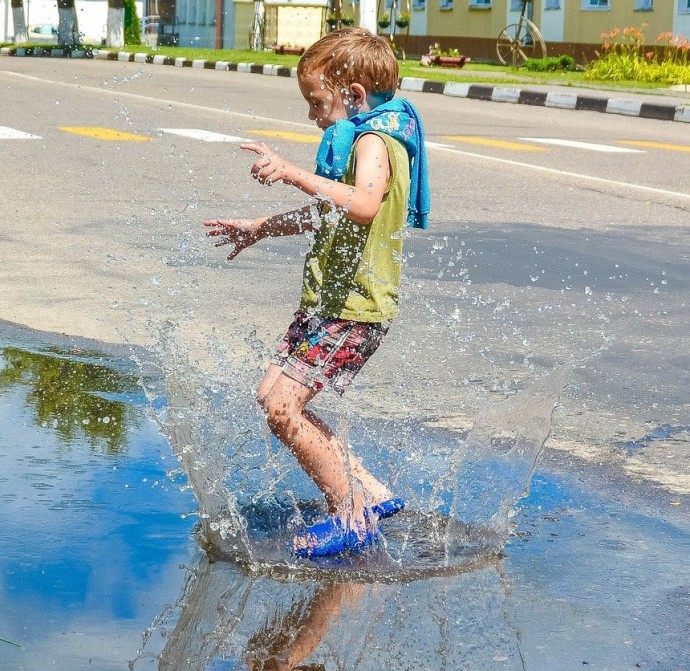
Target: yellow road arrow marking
<point>287,135</point>
<point>488,142</point>
<point>658,145</point>
<point>107,134</point>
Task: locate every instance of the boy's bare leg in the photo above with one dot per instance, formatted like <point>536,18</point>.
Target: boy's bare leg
<point>323,459</point>
<point>375,491</point>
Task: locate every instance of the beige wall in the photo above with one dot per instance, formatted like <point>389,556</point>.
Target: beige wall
<point>582,26</point>
<point>244,13</point>
<point>587,26</point>
<point>463,21</point>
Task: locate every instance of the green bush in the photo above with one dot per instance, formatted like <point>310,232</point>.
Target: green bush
<point>552,64</point>
<point>132,24</point>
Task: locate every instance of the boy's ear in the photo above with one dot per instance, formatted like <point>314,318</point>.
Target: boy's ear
<point>358,94</point>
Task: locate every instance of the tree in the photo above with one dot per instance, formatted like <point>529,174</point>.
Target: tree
<point>68,29</point>
<point>115,36</point>
<point>132,25</point>
<point>19,20</point>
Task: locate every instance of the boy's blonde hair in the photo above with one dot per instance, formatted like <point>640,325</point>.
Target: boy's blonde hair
<point>352,56</point>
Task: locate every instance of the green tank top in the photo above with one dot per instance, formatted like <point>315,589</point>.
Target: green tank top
<point>353,271</point>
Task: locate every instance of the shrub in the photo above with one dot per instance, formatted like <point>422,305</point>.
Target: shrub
<point>551,64</point>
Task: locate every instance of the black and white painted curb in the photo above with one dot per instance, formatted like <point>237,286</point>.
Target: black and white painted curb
<point>554,99</point>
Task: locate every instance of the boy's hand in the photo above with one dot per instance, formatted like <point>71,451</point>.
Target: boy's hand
<point>269,167</point>
<point>241,233</point>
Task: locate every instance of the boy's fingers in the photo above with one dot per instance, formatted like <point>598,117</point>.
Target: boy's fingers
<point>257,148</point>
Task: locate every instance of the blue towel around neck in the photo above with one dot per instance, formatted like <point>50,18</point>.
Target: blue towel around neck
<point>397,118</point>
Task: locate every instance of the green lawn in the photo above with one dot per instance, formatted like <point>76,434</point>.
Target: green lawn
<point>478,73</point>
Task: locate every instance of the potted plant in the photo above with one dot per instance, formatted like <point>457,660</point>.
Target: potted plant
<point>288,49</point>
<point>403,20</point>
<point>331,20</point>
<point>347,20</point>
<point>384,21</point>
<point>449,58</point>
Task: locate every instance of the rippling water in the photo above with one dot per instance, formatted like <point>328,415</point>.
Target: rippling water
<point>99,562</point>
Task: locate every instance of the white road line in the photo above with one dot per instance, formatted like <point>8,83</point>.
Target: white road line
<point>202,135</point>
<point>7,133</point>
<point>567,173</point>
<point>161,102</point>
<point>588,146</point>
<point>504,161</point>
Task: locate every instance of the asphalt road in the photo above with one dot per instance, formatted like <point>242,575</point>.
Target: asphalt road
<point>556,237</point>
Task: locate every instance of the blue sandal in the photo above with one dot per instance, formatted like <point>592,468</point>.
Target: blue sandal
<point>388,508</point>
<point>332,538</point>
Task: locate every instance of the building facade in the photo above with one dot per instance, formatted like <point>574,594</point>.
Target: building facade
<point>568,26</point>
<point>571,27</point>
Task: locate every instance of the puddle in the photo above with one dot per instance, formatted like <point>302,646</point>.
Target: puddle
<point>658,433</point>
<point>100,566</point>
<point>584,583</point>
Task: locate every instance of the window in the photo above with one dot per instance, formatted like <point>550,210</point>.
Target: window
<point>684,6</point>
<point>515,5</point>
<point>595,4</point>
<point>418,4</point>
<point>552,4</point>
<point>480,4</point>
<point>445,4</point>
<point>644,5</point>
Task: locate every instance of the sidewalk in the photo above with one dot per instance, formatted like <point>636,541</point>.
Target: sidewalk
<point>666,104</point>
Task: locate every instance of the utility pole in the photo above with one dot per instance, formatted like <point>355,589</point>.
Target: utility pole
<point>367,15</point>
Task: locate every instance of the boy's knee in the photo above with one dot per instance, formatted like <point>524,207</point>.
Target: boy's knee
<point>274,408</point>
<point>279,410</point>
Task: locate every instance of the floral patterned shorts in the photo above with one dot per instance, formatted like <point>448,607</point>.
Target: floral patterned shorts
<point>319,352</point>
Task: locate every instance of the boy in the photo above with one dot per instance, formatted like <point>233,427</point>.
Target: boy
<point>371,170</point>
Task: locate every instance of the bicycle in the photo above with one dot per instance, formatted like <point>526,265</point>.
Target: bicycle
<point>520,41</point>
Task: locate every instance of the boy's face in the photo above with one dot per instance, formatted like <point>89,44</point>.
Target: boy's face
<point>325,106</point>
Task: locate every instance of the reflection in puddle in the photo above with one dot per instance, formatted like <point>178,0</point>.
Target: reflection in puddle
<point>229,620</point>
<point>72,394</point>
<point>96,549</point>
<point>92,528</point>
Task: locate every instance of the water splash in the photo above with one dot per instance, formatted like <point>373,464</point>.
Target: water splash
<point>460,488</point>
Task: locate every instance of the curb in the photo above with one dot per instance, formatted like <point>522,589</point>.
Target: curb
<point>554,99</point>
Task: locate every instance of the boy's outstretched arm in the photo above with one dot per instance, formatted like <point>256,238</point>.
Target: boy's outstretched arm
<point>360,202</point>
<point>243,233</point>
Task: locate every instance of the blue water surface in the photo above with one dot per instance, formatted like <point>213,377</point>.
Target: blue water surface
<point>93,530</point>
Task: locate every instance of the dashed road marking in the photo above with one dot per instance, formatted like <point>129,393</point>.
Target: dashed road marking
<point>490,142</point>
<point>202,135</point>
<point>657,145</point>
<point>106,134</point>
<point>7,133</point>
<point>437,145</point>
<point>291,136</point>
<point>588,146</point>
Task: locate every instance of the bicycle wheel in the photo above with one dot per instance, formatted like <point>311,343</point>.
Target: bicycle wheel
<point>518,42</point>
